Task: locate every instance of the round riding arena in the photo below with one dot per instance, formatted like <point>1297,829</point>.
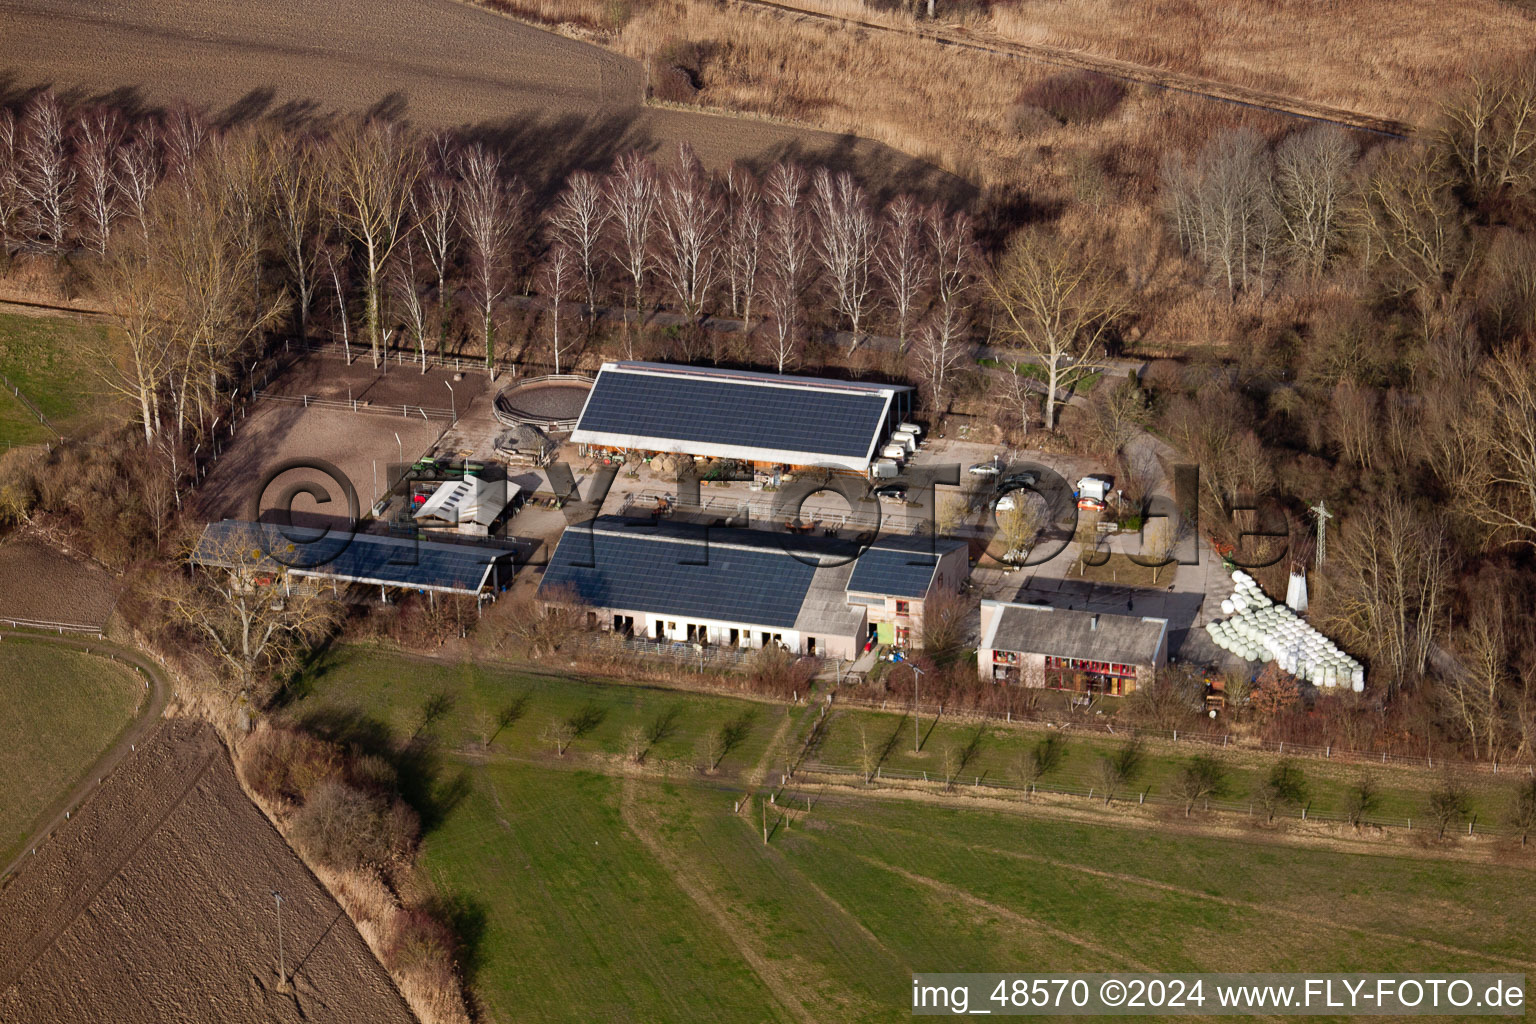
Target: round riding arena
<point>553,403</point>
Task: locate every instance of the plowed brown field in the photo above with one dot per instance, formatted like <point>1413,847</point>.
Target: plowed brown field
<point>154,904</point>
<point>558,103</point>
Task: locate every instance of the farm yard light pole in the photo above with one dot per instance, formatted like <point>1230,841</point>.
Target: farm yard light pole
<point>401,447</point>
<point>282,972</point>
<point>453,401</point>
<point>917,740</point>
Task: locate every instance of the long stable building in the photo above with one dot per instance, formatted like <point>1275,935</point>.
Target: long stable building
<point>764,419</point>
<point>748,588</point>
<point>1092,652</point>
<point>270,552</point>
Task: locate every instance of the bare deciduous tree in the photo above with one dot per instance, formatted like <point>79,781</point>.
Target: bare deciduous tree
<point>434,203</point>
<point>1489,134</point>
<point>98,148</point>
<point>10,184</point>
<point>1314,189</point>
<point>1387,578</point>
<point>577,221</point>
<point>47,176</point>
<point>1499,485</point>
<point>138,172</point>
<point>1057,303</point>
<point>186,133</point>
<point>237,606</point>
<point>941,348</point>
<point>845,242</point>
<point>136,364</point>
<point>951,239</point>
<point>904,264</point>
<point>485,218</point>
<point>633,196</point>
<point>376,168</point>
<point>298,188</point>
<point>1416,231</point>
<point>691,223</point>
<point>405,281</point>
<point>1223,208</point>
<point>785,340</point>
<point>743,241</point>
<point>556,277</point>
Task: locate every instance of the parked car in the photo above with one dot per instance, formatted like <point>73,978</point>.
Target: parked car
<point>986,469</point>
<point>1014,481</point>
<point>891,492</point>
<point>1005,503</point>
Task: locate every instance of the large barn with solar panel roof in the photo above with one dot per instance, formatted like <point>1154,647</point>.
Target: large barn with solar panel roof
<point>746,588</point>
<point>764,419</point>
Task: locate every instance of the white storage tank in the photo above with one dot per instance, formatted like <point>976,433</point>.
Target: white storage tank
<point>911,428</point>
<point>905,439</point>
<point>895,452</point>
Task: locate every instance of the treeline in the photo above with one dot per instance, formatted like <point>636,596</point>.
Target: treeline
<point>209,241</point>
<point>1383,310</point>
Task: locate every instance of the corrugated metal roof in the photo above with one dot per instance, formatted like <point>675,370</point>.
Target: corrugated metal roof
<point>470,500</point>
<point>1065,633</point>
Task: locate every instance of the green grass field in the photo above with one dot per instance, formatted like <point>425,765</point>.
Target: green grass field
<point>48,359</point>
<point>62,708</point>
<point>588,889</point>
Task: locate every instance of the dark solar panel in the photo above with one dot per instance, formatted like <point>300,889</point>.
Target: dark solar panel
<point>647,571</point>
<point>728,412</point>
<point>395,561</point>
<point>893,571</point>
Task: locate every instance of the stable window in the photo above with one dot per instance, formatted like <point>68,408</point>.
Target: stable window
<point>903,607</point>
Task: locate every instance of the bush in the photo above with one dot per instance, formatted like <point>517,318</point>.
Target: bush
<point>1075,97</point>
<point>677,70</point>
<point>346,828</point>
<point>286,764</point>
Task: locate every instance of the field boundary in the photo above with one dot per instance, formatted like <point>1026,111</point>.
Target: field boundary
<point>29,405</point>
<point>426,412</point>
<point>1222,741</point>
<point>1141,796</point>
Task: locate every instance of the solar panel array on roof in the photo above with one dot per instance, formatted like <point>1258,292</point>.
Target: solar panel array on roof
<point>905,571</point>
<point>362,557</point>
<point>715,409</point>
<point>640,569</point>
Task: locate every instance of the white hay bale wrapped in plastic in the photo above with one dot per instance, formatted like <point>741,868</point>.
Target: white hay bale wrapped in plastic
<point>1357,680</point>
<point>1226,606</point>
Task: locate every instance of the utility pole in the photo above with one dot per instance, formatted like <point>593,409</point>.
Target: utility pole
<point>282,971</point>
<point>453,399</point>
<point>1320,510</point>
<point>917,740</point>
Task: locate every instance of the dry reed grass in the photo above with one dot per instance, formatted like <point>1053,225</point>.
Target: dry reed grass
<point>1387,58</point>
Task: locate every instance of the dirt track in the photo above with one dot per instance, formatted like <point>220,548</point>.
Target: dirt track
<point>154,904</point>
<point>557,103</point>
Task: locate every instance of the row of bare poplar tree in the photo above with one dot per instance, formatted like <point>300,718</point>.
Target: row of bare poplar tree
<point>209,240</point>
